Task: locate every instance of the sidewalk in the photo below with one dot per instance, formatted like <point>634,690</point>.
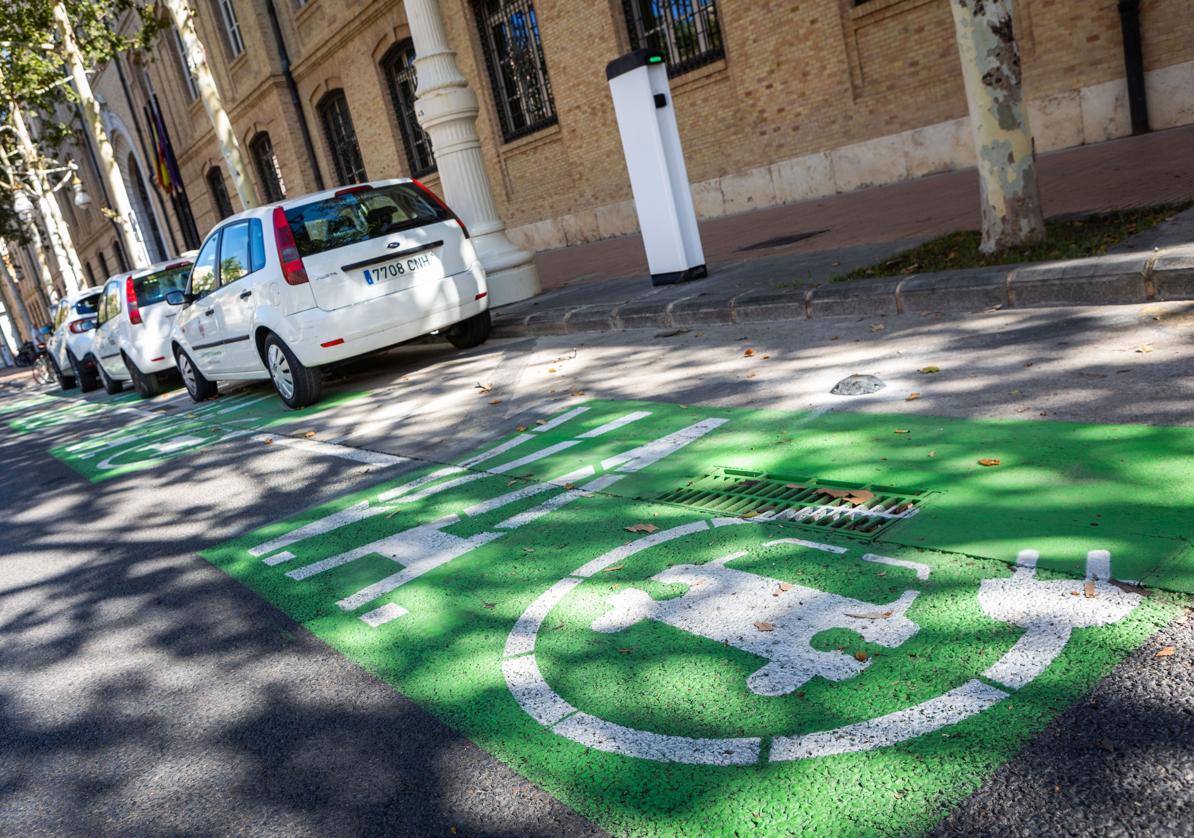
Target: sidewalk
<point>604,285</point>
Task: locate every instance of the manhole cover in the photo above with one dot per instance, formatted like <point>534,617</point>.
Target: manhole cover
<point>857,509</point>
<point>780,241</point>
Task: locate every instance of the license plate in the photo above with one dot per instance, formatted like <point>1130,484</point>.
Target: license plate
<point>408,266</point>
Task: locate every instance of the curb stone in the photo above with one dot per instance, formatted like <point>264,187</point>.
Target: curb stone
<point>1112,279</point>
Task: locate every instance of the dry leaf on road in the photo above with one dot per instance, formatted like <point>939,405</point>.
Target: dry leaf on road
<point>309,435</point>
<point>520,428</point>
<point>764,626</point>
<point>870,615</point>
<point>648,528</point>
<point>911,397</point>
<point>1144,347</point>
<point>496,401</point>
<point>484,388</point>
<point>929,370</point>
<point>748,353</point>
<point>612,569</point>
<point>578,392</point>
<point>902,431</point>
<point>1166,652</point>
<point>861,657</point>
<point>877,327</point>
<point>1090,590</point>
<point>988,461</point>
<point>854,496</point>
<point>540,421</point>
<point>268,441</point>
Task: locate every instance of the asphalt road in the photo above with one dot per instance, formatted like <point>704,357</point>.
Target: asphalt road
<point>144,691</point>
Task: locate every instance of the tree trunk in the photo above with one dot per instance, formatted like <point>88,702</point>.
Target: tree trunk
<point>196,58</point>
<point>14,303</point>
<point>990,58</point>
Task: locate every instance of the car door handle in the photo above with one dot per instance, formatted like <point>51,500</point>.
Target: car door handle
<point>244,295</point>
<point>209,312</point>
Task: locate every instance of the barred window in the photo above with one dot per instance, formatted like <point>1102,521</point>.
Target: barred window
<point>219,193</point>
<point>341,138</point>
<point>517,69</point>
<point>398,65</point>
<point>268,172</point>
<point>232,36</point>
<point>688,32</point>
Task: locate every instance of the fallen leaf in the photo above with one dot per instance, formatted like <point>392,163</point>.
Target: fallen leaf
<point>988,461</point>
<point>861,657</point>
<point>613,568</point>
<point>521,428</point>
<point>569,485</point>
<point>648,528</point>
<point>309,435</point>
<point>551,369</point>
<point>870,615</point>
<point>510,482</point>
<point>626,651</point>
<point>528,549</point>
<point>748,353</point>
<point>1166,652</point>
<point>929,370</point>
<point>877,327</point>
<point>540,421</point>
<point>902,431</point>
<point>496,401</point>
<point>911,397</point>
<point>766,357</point>
<point>854,496</point>
<point>750,375</point>
<point>764,626</point>
<point>578,392</point>
<point>1090,590</point>
<point>751,514</point>
<point>268,440</point>
<point>484,388</point>
<point>794,486</point>
<point>488,604</point>
<point>932,453</point>
<point>1144,347</point>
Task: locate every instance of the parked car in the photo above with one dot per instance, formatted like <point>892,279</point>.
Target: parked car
<point>132,338</point>
<point>70,344</point>
<point>280,291</point>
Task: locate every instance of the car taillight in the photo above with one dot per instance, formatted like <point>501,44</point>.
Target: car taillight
<point>435,198</point>
<point>130,296</point>
<point>76,326</point>
<point>292,263</point>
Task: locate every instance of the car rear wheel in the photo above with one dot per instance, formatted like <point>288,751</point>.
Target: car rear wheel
<point>472,332</point>
<point>112,386</point>
<point>87,378</point>
<point>297,385</point>
<point>198,387</point>
<point>148,384</point>
<point>66,382</point>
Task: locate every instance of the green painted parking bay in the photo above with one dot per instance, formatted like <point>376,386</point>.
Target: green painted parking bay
<point>725,620</point>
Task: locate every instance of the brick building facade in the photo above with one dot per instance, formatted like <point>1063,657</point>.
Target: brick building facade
<point>778,101</point>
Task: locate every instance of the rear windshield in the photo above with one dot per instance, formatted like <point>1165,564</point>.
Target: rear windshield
<point>87,305</point>
<point>359,216</point>
<point>153,288</point>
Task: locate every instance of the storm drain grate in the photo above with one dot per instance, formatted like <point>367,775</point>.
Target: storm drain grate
<point>860,510</point>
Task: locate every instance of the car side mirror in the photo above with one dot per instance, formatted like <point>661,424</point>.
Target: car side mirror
<point>178,298</point>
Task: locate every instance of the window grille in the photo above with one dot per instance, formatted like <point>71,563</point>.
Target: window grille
<point>232,36</point>
<point>219,194</point>
<point>341,138</point>
<point>268,172</point>
<point>509,32</point>
<point>398,65</point>
<point>688,32</point>
<point>184,67</point>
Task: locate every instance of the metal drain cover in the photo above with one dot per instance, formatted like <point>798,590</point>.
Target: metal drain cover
<point>850,508</point>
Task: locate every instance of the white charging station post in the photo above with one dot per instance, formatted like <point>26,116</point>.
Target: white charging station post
<point>655,160</point>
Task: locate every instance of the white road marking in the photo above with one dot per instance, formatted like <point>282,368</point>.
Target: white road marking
<point>614,424</point>
<point>813,545</point>
<point>277,559</point>
<point>381,616</point>
<point>958,704</point>
<point>615,739</point>
<point>922,570</point>
<point>522,636</point>
<point>560,420</point>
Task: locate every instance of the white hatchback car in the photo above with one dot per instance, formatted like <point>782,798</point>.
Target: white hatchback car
<point>70,344</point>
<point>279,291</point>
<point>132,338</point>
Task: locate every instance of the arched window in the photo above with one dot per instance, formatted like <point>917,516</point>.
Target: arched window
<point>688,32</point>
<point>398,66</point>
<point>219,194</point>
<point>341,138</point>
<point>144,209</point>
<point>517,69</point>
<point>272,185</point>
